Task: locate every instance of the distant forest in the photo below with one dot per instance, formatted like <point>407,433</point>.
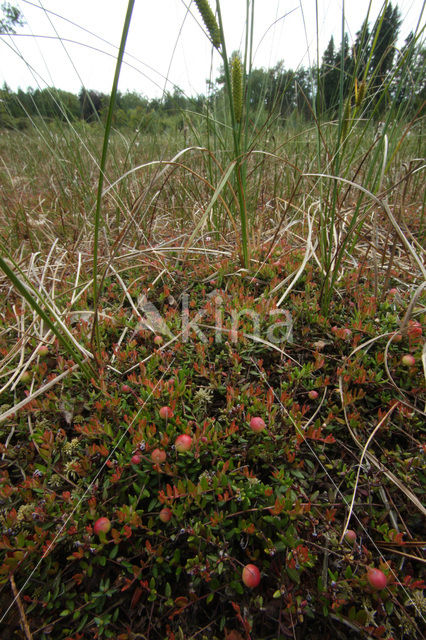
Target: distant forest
<point>372,72</point>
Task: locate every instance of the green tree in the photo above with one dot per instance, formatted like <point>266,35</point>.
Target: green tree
<point>287,91</point>
<point>131,100</point>
<point>336,67</point>
<point>175,102</point>
<point>303,92</point>
<point>258,88</point>
<point>91,104</point>
<point>11,18</point>
<point>328,89</point>
<point>383,39</point>
<point>409,84</point>
<point>344,65</point>
<point>385,32</point>
<point>361,51</point>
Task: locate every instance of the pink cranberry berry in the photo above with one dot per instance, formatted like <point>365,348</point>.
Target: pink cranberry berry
<point>158,456</point>
<point>102,526</point>
<point>166,412</point>
<point>350,536</point>
<point>183,442</point>
<point>257,424</point>
<point>408,360</point>
<point>165,514</point>
<point>251,576</point>
<point>377,579</point>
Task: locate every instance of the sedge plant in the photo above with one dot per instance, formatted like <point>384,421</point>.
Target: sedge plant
<point>366,96</point>
<point>235,74</point>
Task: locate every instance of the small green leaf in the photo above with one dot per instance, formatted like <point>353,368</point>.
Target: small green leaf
<point>83,622</point>
<point>348,572</point>
<point>114,552</point>
<point>237,586</point>
<point>293,575</point>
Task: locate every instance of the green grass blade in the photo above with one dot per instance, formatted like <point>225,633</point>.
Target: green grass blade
<point>25,291</point>
<point>108,124</point>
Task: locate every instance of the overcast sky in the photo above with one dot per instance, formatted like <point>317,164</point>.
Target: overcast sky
<point>166,40</point>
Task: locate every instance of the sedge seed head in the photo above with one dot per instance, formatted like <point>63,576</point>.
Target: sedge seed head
<point>237,86</point>
<point>209,21</point>
<point>346,119</point>
<point>360,93</point>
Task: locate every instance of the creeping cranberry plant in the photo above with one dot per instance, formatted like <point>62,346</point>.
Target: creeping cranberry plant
<point>208,483</point>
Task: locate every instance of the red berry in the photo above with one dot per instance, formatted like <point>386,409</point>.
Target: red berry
<point>313,395</point>
<point>125,388</point>
<point>408,360</point>
<point>165,514</point>
<point>166,412</point>
<point>251,575</point>
<point>183,442</point>
<point>158,456</point>
<point>350,536</point>
<point>377,579</point>
<point>43,351</point>
<point>158,340</point>
<point>102,525</point>
<point>136,459</point>
<point>257,424</point>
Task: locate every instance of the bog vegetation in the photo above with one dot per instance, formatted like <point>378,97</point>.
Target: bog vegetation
<point>212,375</point>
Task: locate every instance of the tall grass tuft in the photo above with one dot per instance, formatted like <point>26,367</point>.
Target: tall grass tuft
<point>355,180</point>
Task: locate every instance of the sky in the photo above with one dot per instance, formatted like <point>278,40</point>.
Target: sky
<point>71,43</point>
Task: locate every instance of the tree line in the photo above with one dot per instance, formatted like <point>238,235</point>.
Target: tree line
<point>371,76</point>
<point>132,110</point>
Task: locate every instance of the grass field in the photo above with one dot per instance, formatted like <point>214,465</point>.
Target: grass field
<point>229,271</point>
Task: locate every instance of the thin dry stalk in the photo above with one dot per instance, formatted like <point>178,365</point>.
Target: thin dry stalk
<point>24,622</point>
<point>37,393</point>
<point>372,459</point>
<point>364,451</point>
